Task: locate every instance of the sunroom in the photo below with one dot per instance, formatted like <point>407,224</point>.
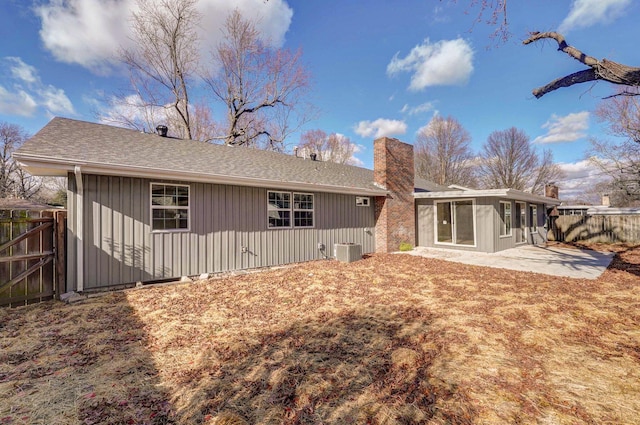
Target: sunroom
<point>481,220</point>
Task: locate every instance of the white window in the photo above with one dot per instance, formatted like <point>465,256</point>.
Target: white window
<point>455,222</point>
<point>533,209</point>
<point>362,201</point>
<point>169,207</point>
<point>302,210</point>
<point>505,218</point>
<point>282,206</point>
<point>279,209</point>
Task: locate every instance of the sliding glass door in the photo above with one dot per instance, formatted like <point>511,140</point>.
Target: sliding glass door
<point>444,224</point>
<point>455,223</point>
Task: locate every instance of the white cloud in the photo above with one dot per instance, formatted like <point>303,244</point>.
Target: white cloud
<point>22,71</point>
<point>419,109</point>
<point>580,178</point>
<point>55,100</point>
<point>90,32</point>
<point>565,129</point>
<point>446,62</point>
<point>380,128</point>
<point>438,15</point>
<point>17,103</point>
<point>132,107</point>
<point>28,93</point>
<point>586,13</point>
<point>356,150</point>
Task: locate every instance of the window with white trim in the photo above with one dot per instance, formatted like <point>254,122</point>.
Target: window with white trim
<point>362,201</point>
<point>505,218</point>
<point>302,210</point>
<point>279,209</point>
<point>169,207</point>
<point>455,222</point>
<point>533,211</point>
<point>283,206</point>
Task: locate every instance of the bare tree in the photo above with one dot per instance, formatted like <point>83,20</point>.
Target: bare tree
<point>203,126</point>
<point>622,114</point>
<point>509,161</point>
<point>604,69</point>
<point>14,182</point>
<point>25,186</point>
<point>261,87</point>
<point>162,66</point>
<point>443,153</point>
<point>620,159</point>
<point>329,147</point>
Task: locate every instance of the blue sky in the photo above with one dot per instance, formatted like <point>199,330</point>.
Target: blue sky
<point>379,67</point>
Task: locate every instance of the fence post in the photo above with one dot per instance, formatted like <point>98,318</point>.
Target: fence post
<point>60,232</point>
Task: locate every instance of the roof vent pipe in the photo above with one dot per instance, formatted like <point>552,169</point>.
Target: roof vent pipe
<point>313,156</point>
<point>162,130</point>
<point>295,151</point>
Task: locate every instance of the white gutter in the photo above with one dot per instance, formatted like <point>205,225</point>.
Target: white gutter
<point>79,229</point>
<point>47,166</point>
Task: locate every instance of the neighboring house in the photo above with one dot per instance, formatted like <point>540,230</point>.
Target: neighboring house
<point>590,210</point>
<point>144,207</point>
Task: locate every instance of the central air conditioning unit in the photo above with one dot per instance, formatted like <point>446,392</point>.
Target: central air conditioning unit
<point>348,252</point>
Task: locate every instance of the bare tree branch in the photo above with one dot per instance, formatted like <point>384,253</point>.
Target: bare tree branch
<point>162,67</point>
<point>606,70</point>
<point>329,147</point>
<point>261,87</point>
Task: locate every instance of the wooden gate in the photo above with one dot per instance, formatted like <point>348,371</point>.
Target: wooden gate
<point>32,256</point>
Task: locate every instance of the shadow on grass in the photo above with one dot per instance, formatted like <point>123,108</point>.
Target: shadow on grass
<point>367,366</point>
<point>626,259</point>
<point>82,363</point>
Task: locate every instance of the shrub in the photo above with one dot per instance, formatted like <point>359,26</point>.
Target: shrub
<point>405,246</point>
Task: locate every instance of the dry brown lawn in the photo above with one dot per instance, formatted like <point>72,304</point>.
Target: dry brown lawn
<point>391,339</point>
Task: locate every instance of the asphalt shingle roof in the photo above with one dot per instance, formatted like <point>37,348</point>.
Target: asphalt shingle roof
<point>72,141</point>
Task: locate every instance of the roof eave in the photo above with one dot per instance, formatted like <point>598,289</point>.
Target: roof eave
<point>45,166</point>
<point>513,194</point>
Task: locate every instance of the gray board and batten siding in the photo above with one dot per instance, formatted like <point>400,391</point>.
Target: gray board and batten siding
<point>487,225</point>
<point>119,246</point>
<point>110,171</point>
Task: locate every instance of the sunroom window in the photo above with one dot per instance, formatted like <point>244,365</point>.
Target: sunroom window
<point>455,222</point>
<point>534,217</point>
<point>505,218</point>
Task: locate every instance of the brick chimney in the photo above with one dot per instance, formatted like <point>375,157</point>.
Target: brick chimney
<point>395,213</point>
<point>551,191</point>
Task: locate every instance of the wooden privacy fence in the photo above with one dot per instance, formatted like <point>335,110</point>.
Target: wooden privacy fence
<point>32,256</point>
<point>595,228</point>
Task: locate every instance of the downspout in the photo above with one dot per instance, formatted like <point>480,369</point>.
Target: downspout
<point>79,229</point>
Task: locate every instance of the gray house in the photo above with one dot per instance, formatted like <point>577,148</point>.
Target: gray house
<point>144,207</point>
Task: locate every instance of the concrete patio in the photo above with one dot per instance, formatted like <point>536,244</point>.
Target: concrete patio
<point>576,263</point>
